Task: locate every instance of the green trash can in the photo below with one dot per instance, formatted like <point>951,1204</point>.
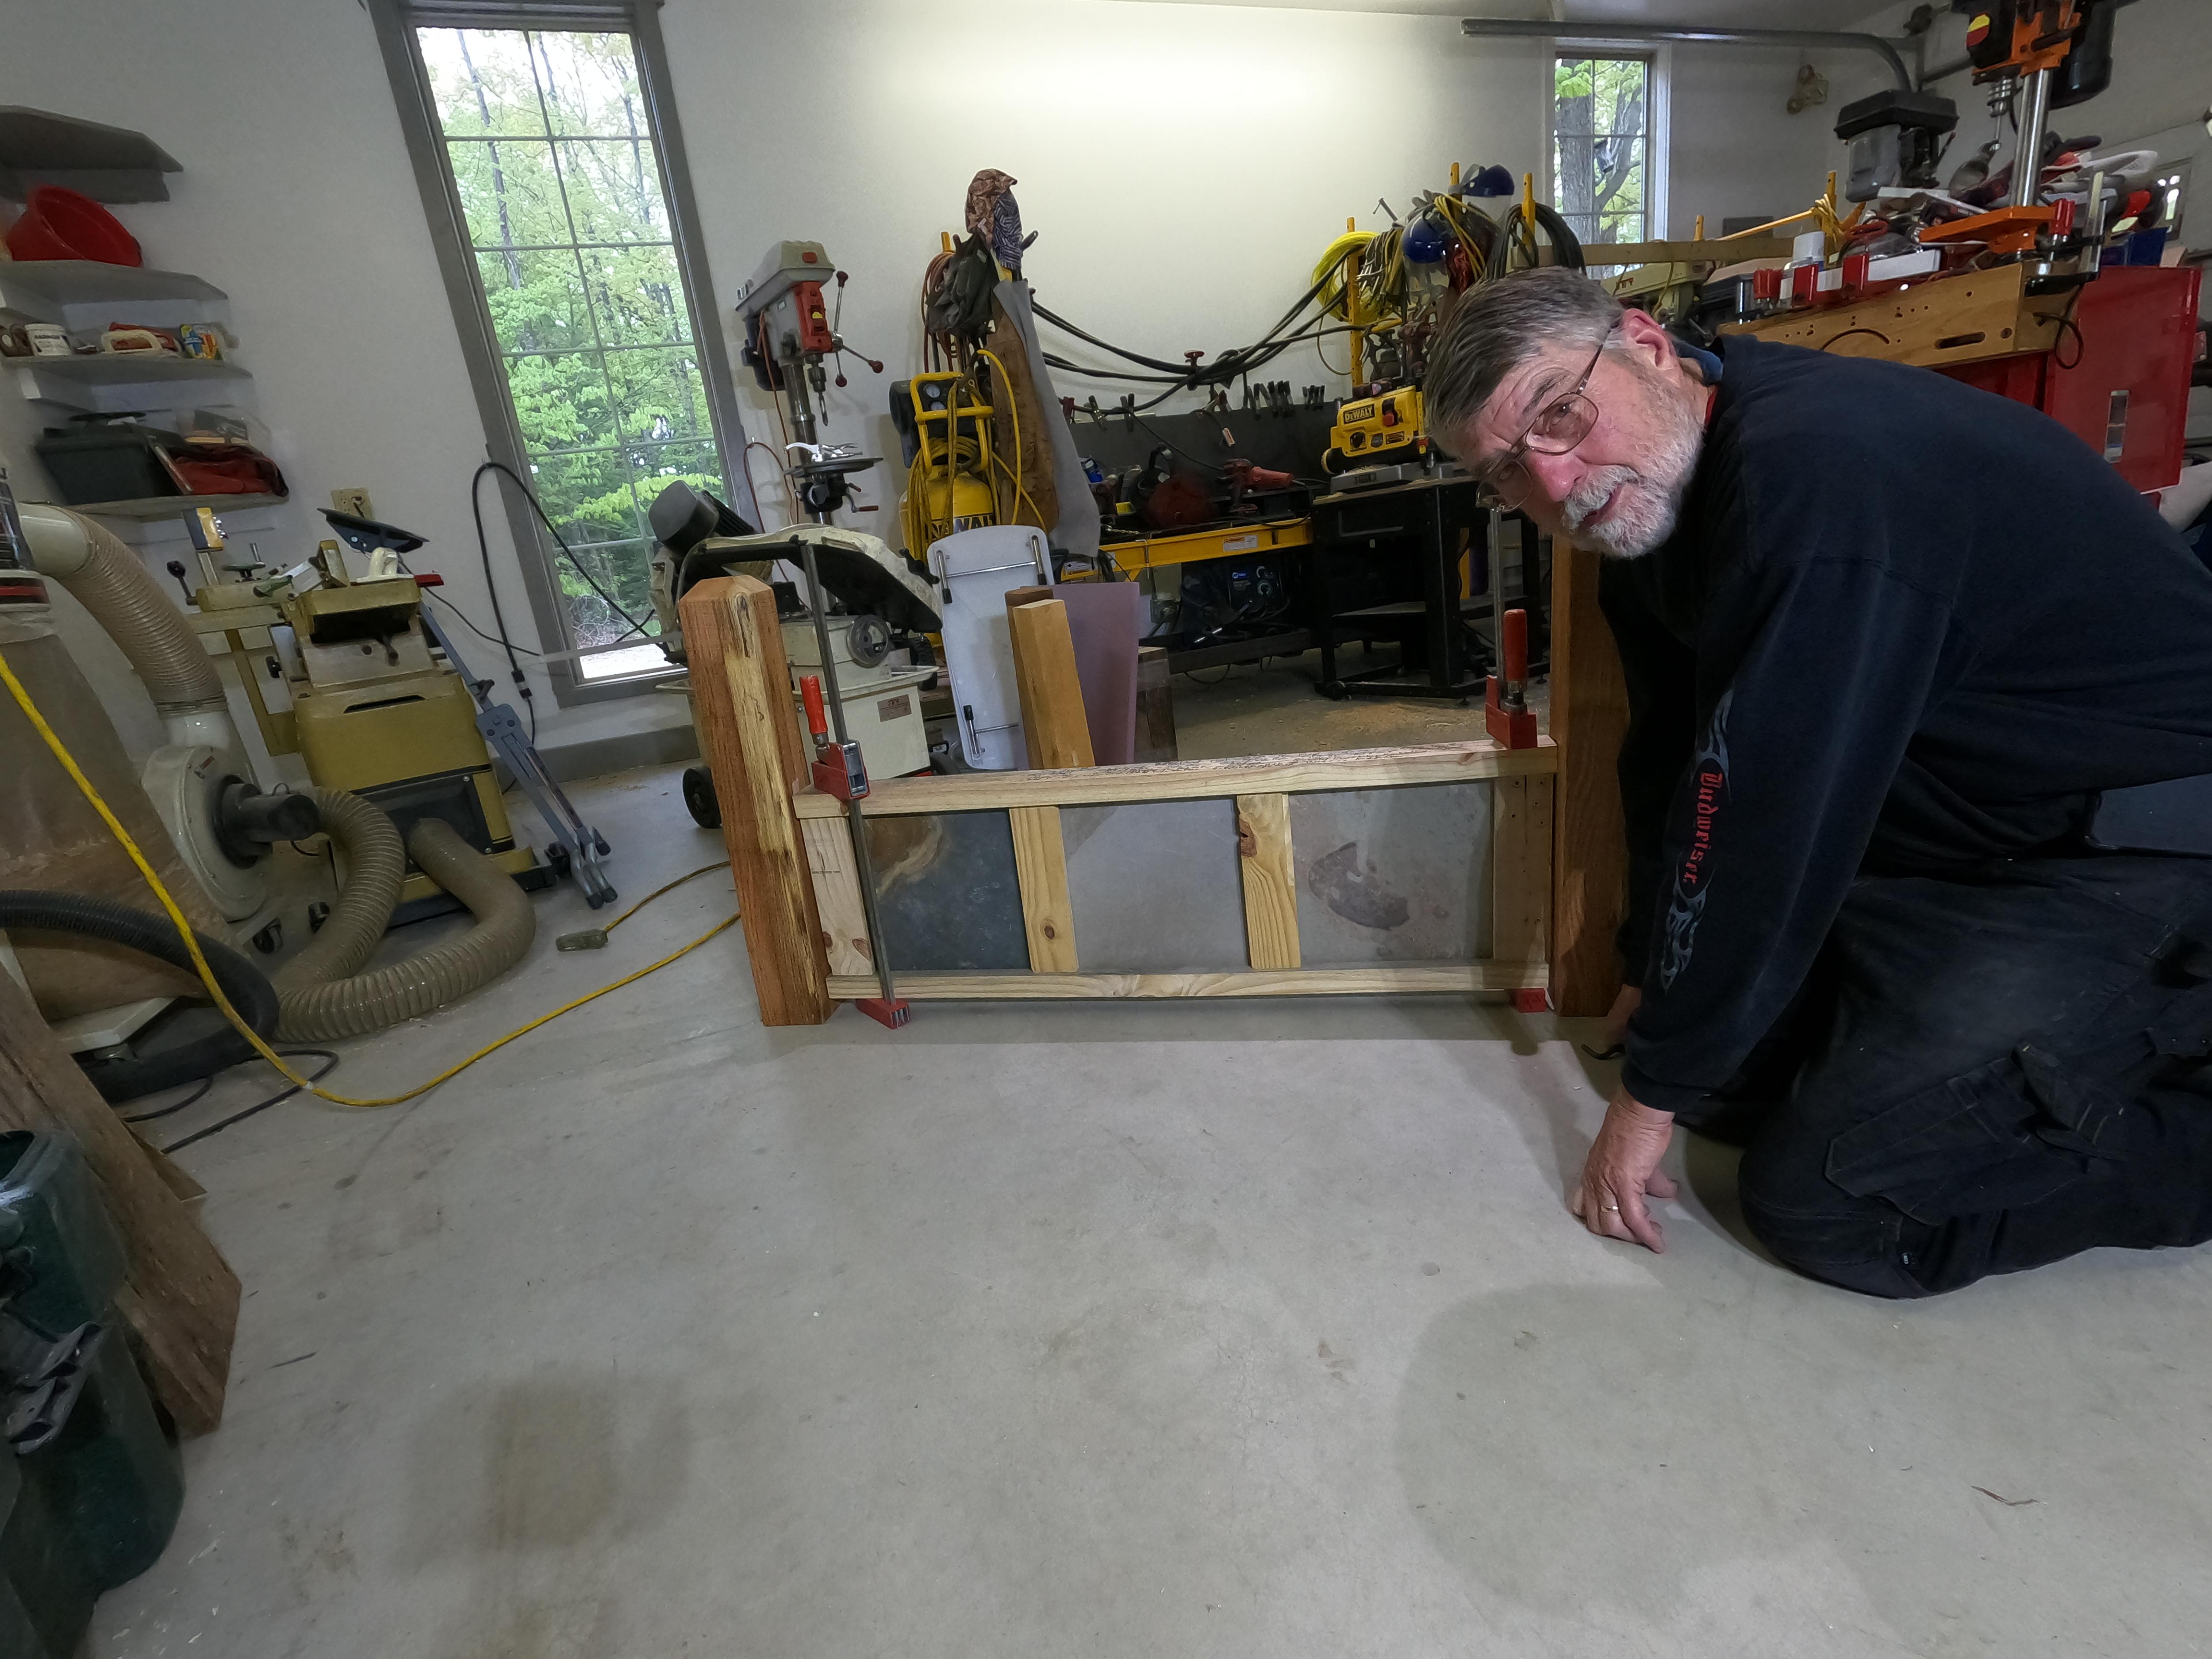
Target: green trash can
<point>54,1227</point>
<point>46,1589</point>
<point>110,1475</point>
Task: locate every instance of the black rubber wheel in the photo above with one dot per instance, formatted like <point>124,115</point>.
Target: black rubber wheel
<point>243,983</point>
<point>1334,691</point>
<point>699,798</point>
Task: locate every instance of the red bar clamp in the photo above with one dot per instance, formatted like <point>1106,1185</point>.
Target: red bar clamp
<point>1505,713</point>
<point>837,766</point>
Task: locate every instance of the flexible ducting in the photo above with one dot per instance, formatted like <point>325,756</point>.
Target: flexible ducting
<point>107,579</point>
<point>375,869</point>
<point>249,992</point>
<point>363,1003</point>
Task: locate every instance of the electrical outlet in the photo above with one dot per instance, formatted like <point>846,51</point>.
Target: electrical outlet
<point>354,501</point>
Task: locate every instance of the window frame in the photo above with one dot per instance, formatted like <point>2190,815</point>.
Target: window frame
<point>1658,121</point>
<point>396,22</point>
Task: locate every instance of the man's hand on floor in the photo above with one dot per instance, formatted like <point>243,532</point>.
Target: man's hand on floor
<point>1622,1168</point>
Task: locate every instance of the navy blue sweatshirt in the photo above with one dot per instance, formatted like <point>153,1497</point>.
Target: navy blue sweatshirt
<point>1902,626</point>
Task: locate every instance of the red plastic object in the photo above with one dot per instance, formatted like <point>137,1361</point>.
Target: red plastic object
<point>2134,333</point>
<point>818,717</point>
<point>1532,1002</point>
<point>1505,713</point>
<point>428,579</point>
<point>62,224</point>
<point>893,1014</point>
<point>1766,284</point>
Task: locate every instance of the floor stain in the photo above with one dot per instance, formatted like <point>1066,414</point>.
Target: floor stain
<point>1339,881</point>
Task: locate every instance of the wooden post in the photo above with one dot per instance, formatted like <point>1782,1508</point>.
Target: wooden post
<point>179,1297</point>
<point>1589,718</point>
<point>1052,720</point>
<point>748,735</point>
<point>1041,869</point>
<point>1271,881</point>
<point>1520,868</point>
<point>836,875</point>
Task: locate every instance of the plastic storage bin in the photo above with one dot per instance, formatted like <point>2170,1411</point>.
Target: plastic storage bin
<point>112,462</point>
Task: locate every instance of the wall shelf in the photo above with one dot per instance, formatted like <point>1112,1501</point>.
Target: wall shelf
<point>117,382</point>
<point>109,164</point>
<point>148,509</point>
<point>85,293</point>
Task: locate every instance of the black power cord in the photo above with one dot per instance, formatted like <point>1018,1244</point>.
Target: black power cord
<point>221,1124</point>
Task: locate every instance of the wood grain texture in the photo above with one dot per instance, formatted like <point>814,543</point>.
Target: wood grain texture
<point>1960,319</point>
<point>179,1297</point>
<point>1041,866</point>
<point>829,861</point>
<point>1271,881</point>
<point>1347,768</point>
<point>1389,981</point>
<point>1521,868</point>
<point>1589,718</point>
<point>748,735</point>
<point>1053,722</point>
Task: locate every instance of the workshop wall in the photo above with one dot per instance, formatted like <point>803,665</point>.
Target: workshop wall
<point>1183,165</point>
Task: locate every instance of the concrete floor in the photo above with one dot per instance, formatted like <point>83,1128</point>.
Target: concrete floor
<point>1097,1330</point>
<point>1271,708</point>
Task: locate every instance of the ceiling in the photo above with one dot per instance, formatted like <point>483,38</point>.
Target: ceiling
<point>1722,14</point>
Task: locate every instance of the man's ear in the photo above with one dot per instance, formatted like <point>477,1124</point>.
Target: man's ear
<point>1648,338</point>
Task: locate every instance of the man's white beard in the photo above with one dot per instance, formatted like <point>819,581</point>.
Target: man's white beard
<point>1649,497</point>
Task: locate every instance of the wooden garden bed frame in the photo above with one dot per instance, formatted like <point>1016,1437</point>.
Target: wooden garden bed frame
<point>1558,865</point>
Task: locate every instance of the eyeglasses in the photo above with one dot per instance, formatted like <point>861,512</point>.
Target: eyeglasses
<point>1564,422</point>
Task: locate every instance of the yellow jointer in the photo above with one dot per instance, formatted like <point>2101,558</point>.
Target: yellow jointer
<point>1223,542</point>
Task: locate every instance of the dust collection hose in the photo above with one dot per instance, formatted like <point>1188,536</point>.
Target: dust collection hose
<point>360,1003</point>
<point>107,579</point>
<point>250,992</point>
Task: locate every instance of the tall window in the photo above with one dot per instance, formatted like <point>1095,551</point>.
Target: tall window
<point>562,188</point>
<point>1601,147</point>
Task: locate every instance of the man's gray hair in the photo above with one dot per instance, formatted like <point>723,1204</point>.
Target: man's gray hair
<point>1495,328</point>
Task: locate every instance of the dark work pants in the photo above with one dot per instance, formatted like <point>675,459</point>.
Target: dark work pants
<point>1990,1074</point>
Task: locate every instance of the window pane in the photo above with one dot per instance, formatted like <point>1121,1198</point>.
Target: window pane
<point>480,82</point>
<point>509,193</point>
<point>563,402</point>
<point>1599,123</point>
<point>614,191</point>
<point>537,300</point>
<point>590,82</point>
<point>637,294</point>
<point>588,496</point>
<point>662,393</point>
<point>622,571</point>
<point>559,181</point>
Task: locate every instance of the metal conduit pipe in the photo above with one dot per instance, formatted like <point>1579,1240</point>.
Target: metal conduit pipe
<point>1510,28</point>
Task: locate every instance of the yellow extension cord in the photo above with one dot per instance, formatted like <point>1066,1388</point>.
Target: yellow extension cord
<point>1013,414</point>
<point>184,927</point>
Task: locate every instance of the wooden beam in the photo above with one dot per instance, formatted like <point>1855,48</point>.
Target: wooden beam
<point>1958,320</point>
<point>1521,868</point>
<point>748,734</point>
<point>1206,779</point>
<point>179,1297</point>
<point>1052,721</point>
<point>845,941</point>
<point>1041,869</point>
<point>1589,718</point>
<point>1271,881</point>
<point>1403,980</point>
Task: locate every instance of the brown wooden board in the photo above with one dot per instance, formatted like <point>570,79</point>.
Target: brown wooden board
<point>1041,866</point>
<point>838,896</point>
<point>1589,718</point>
<point>1271,881</point>
<point>1393,875</point>
<point>948,893</point>
<point>1402,979</point>
<point>749,733</point>
<point>1156,886</point>
<point>1054,724</point>
<point>1521,868</point>
<point>1345,768</point>
<point>180,1298</point>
